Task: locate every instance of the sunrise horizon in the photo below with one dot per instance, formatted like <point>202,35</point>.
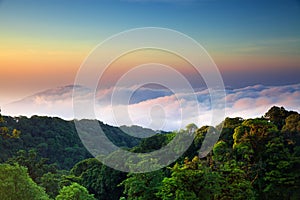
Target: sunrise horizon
<point>255,48</point>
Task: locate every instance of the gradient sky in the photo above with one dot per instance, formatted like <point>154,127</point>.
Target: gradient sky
<point>43,43</point>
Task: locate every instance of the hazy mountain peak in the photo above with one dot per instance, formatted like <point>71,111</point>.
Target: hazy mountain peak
<point>251,101</point>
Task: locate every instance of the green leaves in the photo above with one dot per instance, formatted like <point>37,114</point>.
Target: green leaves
<point>143,186</point>
<point>253,159</point>
<point>74,191</point>
<point>191,180</point>
<point>16,184</point>
<point>235,183</point>
<point>292,124</point>
<point>99,179</point>
<point>6,132</point>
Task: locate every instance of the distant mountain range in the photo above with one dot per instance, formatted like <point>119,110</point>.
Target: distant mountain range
<point>246,102</point>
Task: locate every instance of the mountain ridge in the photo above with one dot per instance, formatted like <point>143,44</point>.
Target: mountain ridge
<point>57,139</point>
<point>58,102</point>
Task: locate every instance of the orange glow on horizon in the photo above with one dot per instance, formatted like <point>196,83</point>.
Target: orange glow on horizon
<point>136,58</point>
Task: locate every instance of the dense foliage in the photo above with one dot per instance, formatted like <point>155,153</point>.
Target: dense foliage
<point>253,159</point>
<point>54,139</point>
<point>7,132</point>
<point>74,191</point>
<point>15,184</point>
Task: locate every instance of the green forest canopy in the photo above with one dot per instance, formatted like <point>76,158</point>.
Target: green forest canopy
<point>253,159</point>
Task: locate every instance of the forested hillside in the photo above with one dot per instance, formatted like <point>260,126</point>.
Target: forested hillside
<point>54,139</point>
<point>253,159</point>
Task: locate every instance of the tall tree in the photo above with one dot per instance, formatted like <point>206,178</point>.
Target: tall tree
<point>99,179</point>
<point>190,181</point>
<point>16,184</point>
<point>36,165</point>
<point>143,186</point>
<point>235,184</point>
<point>74,191</point>
<point>282,176</point>
<point>277,116</point>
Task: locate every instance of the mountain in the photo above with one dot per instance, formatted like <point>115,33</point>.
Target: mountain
<point>58,101</point>
<point>246,102</point>
<point>51,102</point>
<point>257,158</point>
<point>57,139</point>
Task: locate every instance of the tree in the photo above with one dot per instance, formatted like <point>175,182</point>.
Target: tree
<point>250,140</point>
<point>16,184</point>
<point>235,183</point>
<point>143,186</point>
<point>190,181</point>
<point>282,177</point>
<point>291,130</point>
<point>292,123</point>
<point>253,135</point>
<point>44,174</point>
<point>278,115</point>
<point>227,128</point>
<point>153,143</point>
<point>52,183</point>
<point>100,180</point>
<point>191,128</point>
<point>88,174</point>
<point>36,165</point>
<point>75,192</point>
<point>221,152</point>
<point>6,132</point>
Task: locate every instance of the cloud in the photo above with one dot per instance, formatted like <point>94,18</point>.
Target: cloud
<point>157,108</point>
<point>256,100</point>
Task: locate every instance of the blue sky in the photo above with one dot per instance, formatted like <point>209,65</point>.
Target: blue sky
<point>252,42</point>
<point>235,20</point>
<point>255,44</point>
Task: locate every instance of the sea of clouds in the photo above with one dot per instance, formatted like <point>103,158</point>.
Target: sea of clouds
<point>159,109</point>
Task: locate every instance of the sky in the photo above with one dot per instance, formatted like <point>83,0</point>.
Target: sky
<point>44,43</point>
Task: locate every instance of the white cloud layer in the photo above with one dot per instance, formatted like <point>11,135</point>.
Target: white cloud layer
<point>157,108</point>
